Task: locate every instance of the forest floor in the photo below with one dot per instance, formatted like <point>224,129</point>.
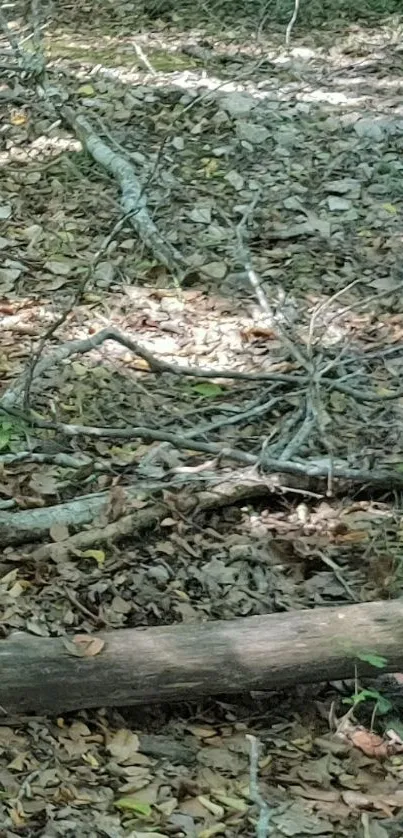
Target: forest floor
<point>276,174</point>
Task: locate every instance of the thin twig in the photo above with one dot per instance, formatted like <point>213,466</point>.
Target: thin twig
<point>81,347</point>
<point>75,300</point>
<point>14,394</point>
<point>364,395</point>
<point>299,439</point>
<point>237,418</point>
<point>323,307</point>
<point>291,23</point>
<point>309,468</point>
<point>288,424</point>
<point>143,58</point>
<point>339,576</point>
<point>58,459</point>
<point>83,608</point>
<point>244,256</point>
<point>262,827</point>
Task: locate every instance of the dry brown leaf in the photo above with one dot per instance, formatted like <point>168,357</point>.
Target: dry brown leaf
<point>84,645</point>
<point>256,332</point>
<point>352,537</point>
<point>165,547</point>
<point>201,732</point>
<point>370,743</point>
<point>124,745</point>
<point>357,800</point>
<point>117,503</point>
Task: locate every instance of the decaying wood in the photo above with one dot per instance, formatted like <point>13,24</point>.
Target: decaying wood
<point>34,524</point>
<point>188,661</point>
<point>133,198</point>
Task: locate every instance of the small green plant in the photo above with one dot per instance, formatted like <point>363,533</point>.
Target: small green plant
<point>207,389</point>
<point>382,704</point>
<point>371,657</point>
<point>11,433</point>
<point>5,434</point>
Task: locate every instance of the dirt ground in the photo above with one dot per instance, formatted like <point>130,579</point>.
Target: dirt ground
<point>266,254</point>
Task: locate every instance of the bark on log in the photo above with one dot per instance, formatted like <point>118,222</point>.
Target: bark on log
<point>188,661</point>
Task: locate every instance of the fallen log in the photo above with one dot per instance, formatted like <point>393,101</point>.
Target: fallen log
<point>189,661</point>
<point>20,527</point>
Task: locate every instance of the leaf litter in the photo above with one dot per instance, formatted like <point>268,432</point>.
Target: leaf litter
<point>328,219</point>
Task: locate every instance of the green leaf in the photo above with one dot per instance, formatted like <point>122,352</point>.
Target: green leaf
<point>371,657</point>
<point>6,429</point>
<point>98,555</point>
<point>4,441</point>
<point>130,804</point>
<point>208,389</point>
<point>383,705</point>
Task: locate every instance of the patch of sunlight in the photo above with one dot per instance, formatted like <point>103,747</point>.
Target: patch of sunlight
<point>329,96</point>
<point>39,149</point>
<point>375,84</point>
<point>169,60</point>
<point>90,54</point>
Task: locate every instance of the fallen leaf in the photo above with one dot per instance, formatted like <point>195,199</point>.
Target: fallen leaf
<point>19,118</point>
<point>123,745</point>
<point>98,555</point>
<point>86,90</point>
<point>84,645</point>
<point>5,211</point>
<point>130,804</point>
<point>213,808</point>
<point>58,267</point>
<point>231,802</point>
<point>215,270</point>
<point>136,834</point>
<point>59,532</point>
<point>207,389</point>
<point>216,829</point>
<point>43,483</point>
<point>200,215</point>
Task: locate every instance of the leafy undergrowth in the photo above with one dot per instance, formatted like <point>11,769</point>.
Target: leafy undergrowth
<point>304,148</point>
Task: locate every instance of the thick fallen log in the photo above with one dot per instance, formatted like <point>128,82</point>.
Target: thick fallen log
<point>188,661</point>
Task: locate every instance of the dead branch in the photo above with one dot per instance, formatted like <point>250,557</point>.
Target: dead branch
<point>133,199</point>
<point>13,396</point>
<point>137,521</point>
<point>59,459</point>
<point>313,468</point>
<point>221,490</point>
